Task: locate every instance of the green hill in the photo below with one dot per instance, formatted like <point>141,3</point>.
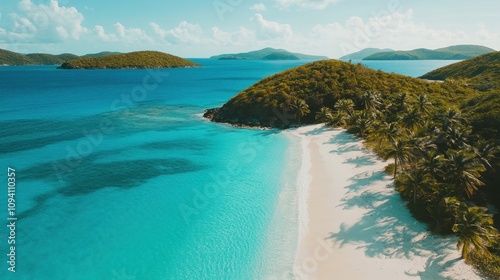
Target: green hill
<point>467,50</point>
<point>12,58</point>
<point>321,84</point>
<point>67,56</point>
<point>364,53</point>
<point>267,54</point>
<point>49,59</point>
<point>142,59</point>
<point>16,59</point>
<point>482,72</point>
<point>449,53</point>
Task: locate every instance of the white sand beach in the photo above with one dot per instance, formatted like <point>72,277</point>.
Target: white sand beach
<point>356,226</point>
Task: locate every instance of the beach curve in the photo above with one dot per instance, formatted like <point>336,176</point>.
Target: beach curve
<point>357,225</point>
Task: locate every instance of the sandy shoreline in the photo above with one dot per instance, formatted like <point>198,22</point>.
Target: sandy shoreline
<point>355,225</point>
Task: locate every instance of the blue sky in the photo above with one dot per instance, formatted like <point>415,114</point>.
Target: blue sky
<point>201,28</point>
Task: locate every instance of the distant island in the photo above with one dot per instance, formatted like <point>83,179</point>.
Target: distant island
<point>268,54</point>
<point>16,59</point>
<point>364,53</point>
<point>133,60</point>
<point>10,58</point>
<point>459,52</point>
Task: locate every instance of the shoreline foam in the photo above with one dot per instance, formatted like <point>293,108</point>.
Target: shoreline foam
<point>357,225</point>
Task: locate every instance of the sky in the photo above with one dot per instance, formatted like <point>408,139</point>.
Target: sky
<point>202,28</point>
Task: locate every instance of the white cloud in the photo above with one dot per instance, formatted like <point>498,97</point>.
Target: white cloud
<point>242,37</point>
<point>485,34</point>
<point>131,35</point>
<point>184,33</point>
<point>123,34</point>
<point>397,30</point>
<point>260,7</point>
<point>305,4</point>
<point>62,32</point>
<point>101,34</point>
<point>46,23</point>
<point>270,30</point>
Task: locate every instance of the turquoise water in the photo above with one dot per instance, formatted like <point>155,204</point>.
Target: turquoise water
<point>413,68</point>
<point>119,177</point>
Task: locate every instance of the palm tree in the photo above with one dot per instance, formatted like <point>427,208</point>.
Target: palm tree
<point>423,104</point>
<point>454,133</point>
<point>324,115</point>
<point>401,101</point>
<point>345,106</point>
<point>420,146</point>
<point>451,118</point>
<point>412,181</point>
<point>363,122</point>
<point>401,154</point>
<point>388,131</point>
<point>458,138</point>
<point>339,118</point>
<point>485,152</point>
<point>412,119</point>
<point>431,163</point>
<point>300,107</point>
<point>370,100</point>
<point>474,228</point>
<point>463,171</point>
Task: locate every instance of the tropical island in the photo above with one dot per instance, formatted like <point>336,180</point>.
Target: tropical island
<point>441,138</point>
<point>133,60</point>
<point>458,52</point>
<point>268,54</point>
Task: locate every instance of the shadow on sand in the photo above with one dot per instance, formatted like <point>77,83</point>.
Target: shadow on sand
<point>387,229</point>
<point>320,130</point>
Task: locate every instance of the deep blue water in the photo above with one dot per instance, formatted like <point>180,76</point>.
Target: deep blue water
<point>118,176</point>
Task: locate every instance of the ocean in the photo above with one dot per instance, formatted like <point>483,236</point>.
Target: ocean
<point>119,177</point>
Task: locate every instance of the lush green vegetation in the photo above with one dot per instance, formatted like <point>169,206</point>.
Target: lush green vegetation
<point>321,84</point>
<point>267,54</point>
<point>364,53</point>
<point>449,53</point>
<point>49,59</point>
<point>443,161</point>
<point>14,59</point>
<point>143,59</point>
<point>67,56</point>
